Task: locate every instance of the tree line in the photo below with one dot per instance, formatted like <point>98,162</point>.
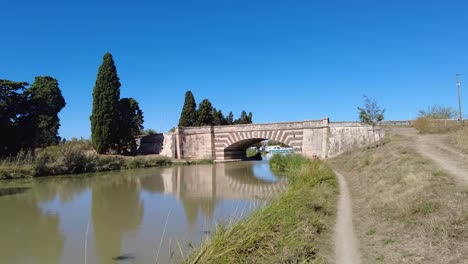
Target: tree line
<point>29,114</point>
<point>207,115</point>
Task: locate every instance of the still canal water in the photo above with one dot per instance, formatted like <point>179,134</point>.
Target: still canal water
<point>135,214</point>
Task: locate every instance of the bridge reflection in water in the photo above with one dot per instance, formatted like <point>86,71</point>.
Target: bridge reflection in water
<point>125,212</point>
<point>225,180</point>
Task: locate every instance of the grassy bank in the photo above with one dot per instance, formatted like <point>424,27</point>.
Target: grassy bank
<point>76,156</point>
<point>408,210</point>
<point>294,227</point>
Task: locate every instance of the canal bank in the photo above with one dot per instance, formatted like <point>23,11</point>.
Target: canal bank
<point>297,226</point>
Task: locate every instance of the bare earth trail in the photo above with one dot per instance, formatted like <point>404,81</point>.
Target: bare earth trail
<point>435,148</point>
<point>346,244</point>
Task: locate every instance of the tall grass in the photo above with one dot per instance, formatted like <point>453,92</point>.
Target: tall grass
<point>459,139</point>
<point>295,227</point>
<point>427,125</point>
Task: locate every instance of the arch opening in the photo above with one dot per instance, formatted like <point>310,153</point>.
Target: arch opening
<point>238,150</point>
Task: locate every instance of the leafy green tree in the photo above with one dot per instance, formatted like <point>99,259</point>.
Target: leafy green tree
<point>371,113</point>
<point>188,116</point>
<point>104,117</point>
<point>13,106</point>
<point>230,119</point>
<point>205,113</point>
<point>130,125</point>
<point>46,101</point>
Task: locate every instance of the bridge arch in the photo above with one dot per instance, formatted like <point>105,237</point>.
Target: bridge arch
<point>233,145</point>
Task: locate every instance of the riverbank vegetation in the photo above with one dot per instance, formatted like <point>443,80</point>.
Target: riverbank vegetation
<point>295,227</point>
<point>76,156</point>
<point>409,210</point>
<point>29,115</point>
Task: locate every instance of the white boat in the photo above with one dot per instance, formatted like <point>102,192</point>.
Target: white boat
<point>278,149</point>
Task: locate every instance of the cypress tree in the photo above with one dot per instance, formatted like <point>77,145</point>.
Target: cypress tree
<point>205,113</point>
<point>188,116</point>
<point>217,117</point>
<point>104,117</point>
<point>230,119</point>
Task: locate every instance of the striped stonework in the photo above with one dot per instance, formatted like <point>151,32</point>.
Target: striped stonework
<point>316,138</point>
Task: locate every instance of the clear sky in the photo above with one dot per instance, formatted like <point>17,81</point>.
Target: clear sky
<point>283,60</point>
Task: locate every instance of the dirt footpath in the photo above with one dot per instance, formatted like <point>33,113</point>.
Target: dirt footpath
<point>435,148</point>
<point>346,244</point>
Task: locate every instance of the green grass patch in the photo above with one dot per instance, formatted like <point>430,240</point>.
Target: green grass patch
<point>295,227</point>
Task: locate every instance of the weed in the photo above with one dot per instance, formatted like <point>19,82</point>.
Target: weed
<point>294,228</point>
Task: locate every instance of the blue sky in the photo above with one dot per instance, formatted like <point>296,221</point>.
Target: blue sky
<point>282,60</point>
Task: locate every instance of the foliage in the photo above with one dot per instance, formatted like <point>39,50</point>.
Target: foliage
<point>74,156</point>
<point>294,228</point>
<point>188,116</point>
<point>29,117</point>
<point>438,112</point>
<point>130,125</point>
<point>244,118</point>
<point>104,117</point>
<point>46,102</point>
<point>218,118</point>
<point>371,113</point>
<point>205,113</point>
<point>230,119</point>
<point>149,131</point>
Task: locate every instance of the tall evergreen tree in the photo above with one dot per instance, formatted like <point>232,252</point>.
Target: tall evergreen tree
<point>46,102</point>
<point>243,119</point>
<point>130,125</point>
<point>249,118</point>
<point>188,116</point>
<point>218,118</point>
<point>230,119</point>
<point>205,113</point>
<point>104,117</point>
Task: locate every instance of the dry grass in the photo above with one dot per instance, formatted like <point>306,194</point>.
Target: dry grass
<point>406,210</point>
<point>459,139</point>
<point>427,125</point>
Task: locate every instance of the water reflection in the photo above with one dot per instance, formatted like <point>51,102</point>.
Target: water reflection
<point>116,209</point>
<point>127,211</point>
<point>28,235</point>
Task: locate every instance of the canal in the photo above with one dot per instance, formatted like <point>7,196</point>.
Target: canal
<point>132,216</point>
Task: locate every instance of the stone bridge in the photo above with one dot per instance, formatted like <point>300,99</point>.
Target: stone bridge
<point>315,138</point>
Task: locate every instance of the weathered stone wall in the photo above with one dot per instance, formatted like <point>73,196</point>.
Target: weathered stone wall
<point>195,143</point>
<point>317,138</point>
<point>344,136</point>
